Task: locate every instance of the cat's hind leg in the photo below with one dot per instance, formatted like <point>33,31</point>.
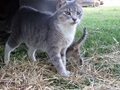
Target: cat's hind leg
<point>7,52</point>
<point>31,54</point>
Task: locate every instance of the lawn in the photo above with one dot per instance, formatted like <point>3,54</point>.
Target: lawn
<point>103,29</point>
<point>101,53</point>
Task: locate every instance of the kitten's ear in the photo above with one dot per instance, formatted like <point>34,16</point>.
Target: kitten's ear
<point>60,3</point>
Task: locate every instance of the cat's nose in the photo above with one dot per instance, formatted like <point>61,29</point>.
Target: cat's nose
<point>74,19</point>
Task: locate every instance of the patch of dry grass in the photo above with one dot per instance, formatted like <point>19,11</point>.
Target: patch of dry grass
<point>100,72</point>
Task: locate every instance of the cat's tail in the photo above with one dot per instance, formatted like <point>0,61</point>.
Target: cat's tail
<point>83,36</point>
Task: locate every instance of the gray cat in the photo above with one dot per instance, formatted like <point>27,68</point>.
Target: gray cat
<point>74,49</point>
<point>52,34</point>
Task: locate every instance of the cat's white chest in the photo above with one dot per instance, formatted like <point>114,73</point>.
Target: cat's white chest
<point>68,32</point>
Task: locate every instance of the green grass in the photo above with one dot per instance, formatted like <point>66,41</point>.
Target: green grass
<point>103,26</point>
<point>101,52</point>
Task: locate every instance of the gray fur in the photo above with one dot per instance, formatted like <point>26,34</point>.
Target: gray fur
<point>52,34</point>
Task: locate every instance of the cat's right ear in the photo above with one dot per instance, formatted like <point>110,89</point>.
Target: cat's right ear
<point>60,3</point>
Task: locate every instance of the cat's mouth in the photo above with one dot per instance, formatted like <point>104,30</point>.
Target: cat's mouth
<point>73,23</point>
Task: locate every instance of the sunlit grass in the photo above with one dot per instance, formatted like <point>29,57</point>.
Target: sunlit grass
<point>103,26</point>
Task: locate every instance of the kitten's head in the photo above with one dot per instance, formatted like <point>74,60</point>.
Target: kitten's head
<point>69,12</point>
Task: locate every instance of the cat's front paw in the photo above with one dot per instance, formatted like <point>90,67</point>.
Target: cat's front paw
<point>66,73</point>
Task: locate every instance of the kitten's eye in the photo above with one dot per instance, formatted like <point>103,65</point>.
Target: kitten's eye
<point>68,13</point>
<point>78,13</point>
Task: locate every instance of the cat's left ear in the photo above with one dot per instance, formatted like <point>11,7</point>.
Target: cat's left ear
<point>60,3</point>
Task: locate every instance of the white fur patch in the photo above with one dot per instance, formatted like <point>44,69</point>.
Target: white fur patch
<point>68,31</point>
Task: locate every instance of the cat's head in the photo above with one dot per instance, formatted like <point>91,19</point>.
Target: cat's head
<point>69,11</point>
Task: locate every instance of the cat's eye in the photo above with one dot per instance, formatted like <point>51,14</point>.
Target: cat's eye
<point>78,13</point>
<point>68,13</point>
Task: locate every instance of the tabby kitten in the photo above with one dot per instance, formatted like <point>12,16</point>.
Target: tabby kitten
<point>74,49</point>
<point>52,34</point>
